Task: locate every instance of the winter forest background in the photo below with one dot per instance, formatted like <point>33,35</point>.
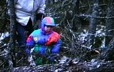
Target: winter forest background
<point>87,31</point>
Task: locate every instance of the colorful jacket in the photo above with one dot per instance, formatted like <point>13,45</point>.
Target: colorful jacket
<point>44,41</point>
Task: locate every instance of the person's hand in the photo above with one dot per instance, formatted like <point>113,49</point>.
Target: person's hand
<point>40,16</point>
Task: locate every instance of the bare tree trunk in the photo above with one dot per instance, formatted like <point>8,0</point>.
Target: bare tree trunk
<point>108,54</point>
<point>110,23</point>
<point>12,33</point>
<point>93,24</point>
<point>4,21</point>
<point>76,21</point>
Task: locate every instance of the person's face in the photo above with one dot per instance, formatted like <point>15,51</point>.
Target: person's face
<point>48,29</point>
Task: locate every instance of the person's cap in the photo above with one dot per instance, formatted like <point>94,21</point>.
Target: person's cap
<point>48,21</point>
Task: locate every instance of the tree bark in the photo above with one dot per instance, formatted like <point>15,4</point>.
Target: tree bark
<point>76,21</point>
<point>109,23</point>
<point>12,34</point>
<point>108,53</point>
<point>93,24</point>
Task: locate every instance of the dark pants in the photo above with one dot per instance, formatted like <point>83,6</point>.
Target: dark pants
<point>23,32</point>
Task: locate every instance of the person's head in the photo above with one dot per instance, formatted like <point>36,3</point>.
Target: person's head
<point>47,24</point>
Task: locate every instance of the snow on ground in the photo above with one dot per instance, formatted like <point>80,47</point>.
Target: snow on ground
<point>3,36</point>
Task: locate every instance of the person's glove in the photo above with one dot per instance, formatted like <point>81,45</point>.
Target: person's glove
<point>53,39</point>
<point>40,16</point>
